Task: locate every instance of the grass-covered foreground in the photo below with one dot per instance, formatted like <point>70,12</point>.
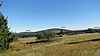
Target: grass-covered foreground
<point>75,45</point>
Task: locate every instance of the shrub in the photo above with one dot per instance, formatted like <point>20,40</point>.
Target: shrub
<point>46,36</point>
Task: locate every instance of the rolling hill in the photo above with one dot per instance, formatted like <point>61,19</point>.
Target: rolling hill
<point>55,30</point>
<point>58,30</point>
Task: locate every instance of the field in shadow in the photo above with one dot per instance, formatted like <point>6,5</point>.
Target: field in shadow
<point>93,40</point>
<point>36,42</point>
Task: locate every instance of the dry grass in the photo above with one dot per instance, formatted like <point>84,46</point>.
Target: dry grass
<point>59,47</point>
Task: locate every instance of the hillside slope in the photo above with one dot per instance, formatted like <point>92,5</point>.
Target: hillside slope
<point>55,30</point>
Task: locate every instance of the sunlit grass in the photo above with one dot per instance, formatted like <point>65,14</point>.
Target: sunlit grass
<point>58,47</point>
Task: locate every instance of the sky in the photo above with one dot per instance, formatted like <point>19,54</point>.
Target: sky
<point>36,15</point>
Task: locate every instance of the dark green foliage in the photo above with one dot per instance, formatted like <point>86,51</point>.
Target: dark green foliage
<point>12,37</point>
<point>5,35</point>
<point>46,36</point>
<point>93,30</point>
<point>24,35</point>
<point>61,33</point>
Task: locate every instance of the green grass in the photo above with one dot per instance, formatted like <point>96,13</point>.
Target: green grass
<point>59,47</point>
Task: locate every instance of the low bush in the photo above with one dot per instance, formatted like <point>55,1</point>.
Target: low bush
<point>46,36</point>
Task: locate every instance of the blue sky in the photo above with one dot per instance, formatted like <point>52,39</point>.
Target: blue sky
<point>44,14</point>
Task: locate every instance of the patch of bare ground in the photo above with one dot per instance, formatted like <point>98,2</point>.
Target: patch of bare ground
<point>97,53</point>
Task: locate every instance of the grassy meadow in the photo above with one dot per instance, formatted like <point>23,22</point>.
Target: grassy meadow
<point>74,45</point>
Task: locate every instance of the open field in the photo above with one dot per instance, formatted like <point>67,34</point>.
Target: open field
<point>75,45</point>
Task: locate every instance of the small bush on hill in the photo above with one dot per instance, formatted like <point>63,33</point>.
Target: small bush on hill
<point>46,36</point>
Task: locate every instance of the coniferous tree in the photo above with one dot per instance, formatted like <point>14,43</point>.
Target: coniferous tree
<point>5,35</point>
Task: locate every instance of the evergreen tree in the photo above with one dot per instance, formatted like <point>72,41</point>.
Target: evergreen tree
<point>5,35</point>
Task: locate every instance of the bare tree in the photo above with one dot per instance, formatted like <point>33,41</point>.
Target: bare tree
<point>1,3</point>
<point>62,31</point>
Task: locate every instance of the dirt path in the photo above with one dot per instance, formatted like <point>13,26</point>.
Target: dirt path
<point>97,53</point>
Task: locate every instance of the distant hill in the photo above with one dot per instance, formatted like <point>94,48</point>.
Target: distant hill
<point>89,30</point>
<point>55,30</point>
